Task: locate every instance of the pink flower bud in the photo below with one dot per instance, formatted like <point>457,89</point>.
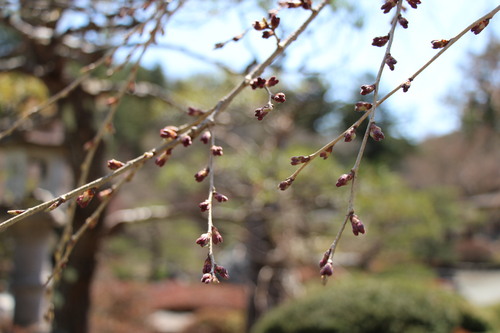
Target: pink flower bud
<point>299,159</point>
<point>203,240</point>
<point>350,134</point>
<point>220,197</point>
<point>326,153</point>
<point>367,89</point>
<point>272,81</point>
<point>205,137</point>
<point>357,226</point>
<point>388,5</point>
<point>202,174</point>
<point>169,132</point>
<point>204,205</point>
<point>376,132</point>
<point>216,236</point>
<point>186,140</point>
<point>207,265</point>
<point>216,150</point>
<point>439,44</point>
<point>222,272</point>
<point>326,257</point>
<point>413,3</point>
<point>403,22</point>
<point>207,278</point>
<point>344,179</point>
<point>280,97</point>
<point>260,113</point>
<point>480,26</point>
<point>362,106</point>
<point>114,164</point>
<point>258,83</point>
<point>326,270</point>
<point>380,41</point>
<point>286,184</point>
<point>390,61</point>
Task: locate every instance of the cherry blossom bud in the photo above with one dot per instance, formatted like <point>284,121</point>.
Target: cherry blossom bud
<point>286,184</point>
<point>367,89</point>
<point>439,44</point>
<point>272,81</point>
<point>223,273</point>
<point>163,158</point>
<point>480,26</point>
<point>326,270</point>
<point>376,132</point>
<point>204,205</point>
<point>216,236</point>
<point>169,132</point>
<point>413,3</point>
<point>220,197</point>
<point>403,22</point>
<point>390,61</point>
<point>326,153</point>
<point>260,25</point>
<point>200,175</point>
<point>350,134</point>
<point>260,113</point>
<point>388,5</point>
<point>205,137</point>
<point>203,240</point>
<point>362,106</point>
<point>344,179</point>
<point>84,199</point>
<point>380,41</point>
<point>216,150</point>
<point>357,226</point>
<point>258,83</point>
<point>279,97</point>
<point>114,164</point>
<point>299,159</point>
<point>186,140</point>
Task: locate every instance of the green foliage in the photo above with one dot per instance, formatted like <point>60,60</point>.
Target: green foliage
<point>365,306</point>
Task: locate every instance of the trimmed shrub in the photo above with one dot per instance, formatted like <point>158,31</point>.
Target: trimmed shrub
<point>373,306</point>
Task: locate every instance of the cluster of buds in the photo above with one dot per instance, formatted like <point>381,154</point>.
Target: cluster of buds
<point>390,61</point>
<point>376,132</point>
<point>344,179</point>
<point>114,164</point>
<point>214,235</point>
<point>216,150</point>
<point>279,97</point>
<point>480,26</point>
<point>84,199</point>
<point>163,158</point>
<point>261,112</point>
<point>362,106</point>
<point>306,4</point>
<point>286,183</point>
<point>295,160</point>
<point>439,43</point>
<point>202,174</point>
<point>380,41</point>
<point>262,83</point>
<point>267,26</point>
<point>357,226</point>
<point>388,5</point>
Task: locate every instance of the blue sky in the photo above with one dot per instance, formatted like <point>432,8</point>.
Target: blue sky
<point>341,53</point>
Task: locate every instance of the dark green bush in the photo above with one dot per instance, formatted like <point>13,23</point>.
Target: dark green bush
<point>373,306</point>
